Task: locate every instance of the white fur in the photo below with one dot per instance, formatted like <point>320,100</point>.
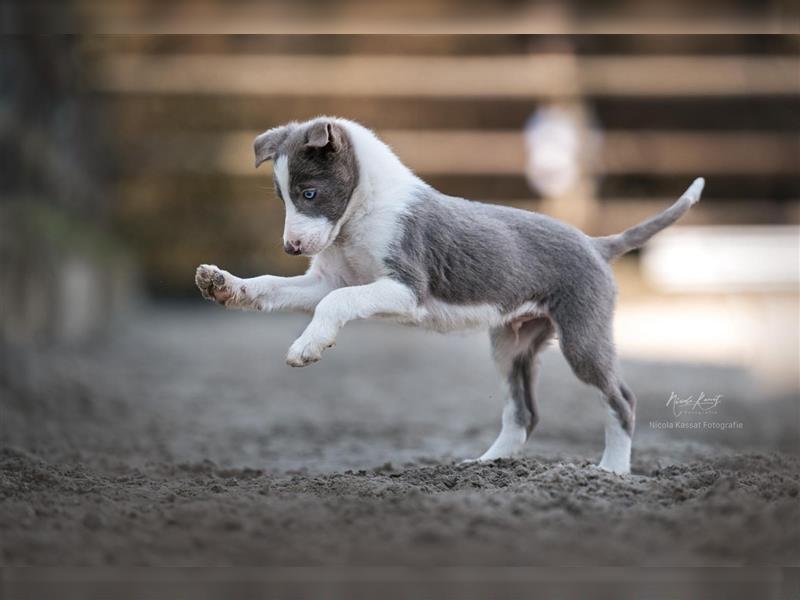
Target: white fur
<point>385,296</point>
<point>617,454</point>
<point>371,221</point>
<point>280,171</point>
<point>694,190</point>
<point>443,317</point>
<point>511,439</point>
<point>272,293</point>
<point>371,218</point>
<point>506,348</point>
<point>385,188</point>
<point>313,233</point>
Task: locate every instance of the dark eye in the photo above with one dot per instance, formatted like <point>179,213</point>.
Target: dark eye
<point>309,194</point>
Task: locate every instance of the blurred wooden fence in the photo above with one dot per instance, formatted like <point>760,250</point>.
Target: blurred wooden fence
<point>184,111</point>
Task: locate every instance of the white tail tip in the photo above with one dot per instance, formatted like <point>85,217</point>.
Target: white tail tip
<point>694,191</point>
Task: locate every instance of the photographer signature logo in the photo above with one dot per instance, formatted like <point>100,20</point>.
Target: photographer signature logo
<point>694,405</point>
<point>699,407</point>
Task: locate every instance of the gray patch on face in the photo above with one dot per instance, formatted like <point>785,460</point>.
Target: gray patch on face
<point>465,252</point>
<point>320,157</point>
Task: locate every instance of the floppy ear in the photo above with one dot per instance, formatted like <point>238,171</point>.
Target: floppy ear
<point>324,134</point>
<point>268,142</point>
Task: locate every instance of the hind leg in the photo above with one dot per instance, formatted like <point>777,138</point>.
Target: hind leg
<point>619,433</point>
<point>515,350</point>
<point>587,344</point>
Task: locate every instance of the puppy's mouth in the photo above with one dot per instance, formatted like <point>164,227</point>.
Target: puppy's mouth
<point>311,240</point>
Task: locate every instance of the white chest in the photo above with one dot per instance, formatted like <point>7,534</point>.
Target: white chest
<point>350,264</point>
<point>362,265</point>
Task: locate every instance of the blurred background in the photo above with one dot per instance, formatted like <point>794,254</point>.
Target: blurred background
<point>126,161</point>
<point>127,158</point>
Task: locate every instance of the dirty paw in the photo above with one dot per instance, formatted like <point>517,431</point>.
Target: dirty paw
<point>302,353</point>
<point>215,284</point>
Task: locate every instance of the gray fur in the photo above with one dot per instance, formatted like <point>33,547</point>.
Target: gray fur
<point>519,385</point>
<point>521,375</point>
<point>466,252</point>
<point>613,246</point>
<point>266,145</point>
<point>321,156</point>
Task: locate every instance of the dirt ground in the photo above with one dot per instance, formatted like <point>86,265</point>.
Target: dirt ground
<point>185,440</point>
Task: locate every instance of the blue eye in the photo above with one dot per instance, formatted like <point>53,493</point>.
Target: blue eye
<point>309,194</point>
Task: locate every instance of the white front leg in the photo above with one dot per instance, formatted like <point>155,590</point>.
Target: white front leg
<point>301,293</point>
<point>384,297</point>
<point>267,292</point>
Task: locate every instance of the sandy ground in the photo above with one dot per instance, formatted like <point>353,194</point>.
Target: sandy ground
<point>185,440</point>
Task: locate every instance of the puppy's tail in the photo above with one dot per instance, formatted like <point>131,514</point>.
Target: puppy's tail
<point>612,246</point>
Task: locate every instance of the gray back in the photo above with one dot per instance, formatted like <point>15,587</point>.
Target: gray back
<point>465,252</point>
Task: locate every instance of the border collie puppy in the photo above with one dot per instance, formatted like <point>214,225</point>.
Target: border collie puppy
<point>384,244</point>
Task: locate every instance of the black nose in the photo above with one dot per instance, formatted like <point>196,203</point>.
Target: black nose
<point>292,247</point>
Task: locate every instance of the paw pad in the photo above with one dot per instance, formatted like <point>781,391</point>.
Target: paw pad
<point>212,283</point>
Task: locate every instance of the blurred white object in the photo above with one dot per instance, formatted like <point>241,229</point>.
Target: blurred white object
<point>722,258</point>
<point>559,146</point>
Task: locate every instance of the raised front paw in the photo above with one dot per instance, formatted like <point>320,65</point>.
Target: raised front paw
<point>305,351</point>
<point>216,285</point>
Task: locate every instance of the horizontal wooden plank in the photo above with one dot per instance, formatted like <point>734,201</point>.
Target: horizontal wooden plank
<point>503,152</point>
<point>711,153</point>
<point>616,214</point>
<point>137,114</point>
<point>543,75</point>
<point>753,188</point>
<point>428,16</point>
<point>425,45</point>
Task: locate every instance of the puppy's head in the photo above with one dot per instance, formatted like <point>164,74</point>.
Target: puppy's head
<point>316,173</point>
